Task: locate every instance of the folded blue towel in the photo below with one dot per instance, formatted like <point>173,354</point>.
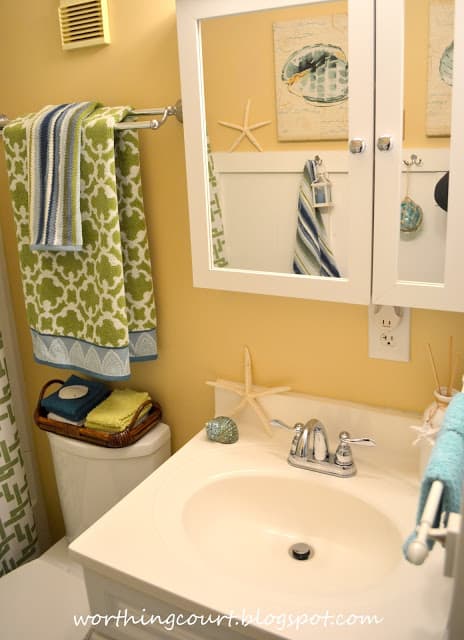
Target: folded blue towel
<point>446,464</point>
<point>76,409</point>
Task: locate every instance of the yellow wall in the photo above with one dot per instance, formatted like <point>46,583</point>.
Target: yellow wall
<point>318,348</point>
<point>239,64</point>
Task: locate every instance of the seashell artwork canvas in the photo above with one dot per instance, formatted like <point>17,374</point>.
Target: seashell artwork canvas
<point>440,67</point>
<point>446,65</point>
<point>311,71</point>
<point>317,73</point>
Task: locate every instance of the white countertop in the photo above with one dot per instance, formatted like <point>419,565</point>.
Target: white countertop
<point>142,541</point>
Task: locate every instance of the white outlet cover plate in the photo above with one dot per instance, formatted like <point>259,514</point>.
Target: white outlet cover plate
<point>387,344</point>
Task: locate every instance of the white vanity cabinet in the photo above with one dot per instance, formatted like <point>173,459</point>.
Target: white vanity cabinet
<point>378,262</point>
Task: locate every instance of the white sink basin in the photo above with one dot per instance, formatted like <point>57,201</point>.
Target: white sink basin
<point>244,525</point>
<point>210,531</point>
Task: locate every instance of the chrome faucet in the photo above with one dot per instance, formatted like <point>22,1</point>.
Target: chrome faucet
<point>310,449</point>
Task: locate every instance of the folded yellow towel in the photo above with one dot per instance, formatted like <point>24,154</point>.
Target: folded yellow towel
<point>118,410</point>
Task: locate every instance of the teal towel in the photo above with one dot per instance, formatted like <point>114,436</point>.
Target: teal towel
<point>76,409</point>
<point>446,464</point>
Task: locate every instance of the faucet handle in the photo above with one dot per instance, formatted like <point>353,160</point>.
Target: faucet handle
<point>345,437</point>
<point>343,455</point>
<point>284,425</point>
<point>299,444</point>
<point>298,428</point>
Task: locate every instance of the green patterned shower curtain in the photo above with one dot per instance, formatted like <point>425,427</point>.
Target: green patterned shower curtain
<point>218,239</point>
<point>18,531</point>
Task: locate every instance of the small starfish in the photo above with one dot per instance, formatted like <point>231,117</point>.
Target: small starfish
<point>248,395</point>
<point>426,432</point>
<point>245,129</point>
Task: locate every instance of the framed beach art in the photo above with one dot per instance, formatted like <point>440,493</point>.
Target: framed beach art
<point>311,75</point>
<point>440,67</point>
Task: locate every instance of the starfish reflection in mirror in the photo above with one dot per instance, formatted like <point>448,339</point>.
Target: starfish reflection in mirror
<point>247,394</point>
<point>245,129</point>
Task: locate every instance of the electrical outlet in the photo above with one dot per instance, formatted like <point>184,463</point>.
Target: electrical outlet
<point>389,329</point>
<point>388,340</point>
<point>387,317</point>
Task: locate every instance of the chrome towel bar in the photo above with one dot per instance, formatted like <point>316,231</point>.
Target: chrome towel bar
<point>130,123</point>
<point>447,535</point>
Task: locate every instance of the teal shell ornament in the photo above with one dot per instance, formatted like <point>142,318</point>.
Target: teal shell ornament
<point>222,429</point>
<point>317,73</point>
<point>411,215</point>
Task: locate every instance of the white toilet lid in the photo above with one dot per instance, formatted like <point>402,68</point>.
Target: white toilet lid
<point>40,599</point>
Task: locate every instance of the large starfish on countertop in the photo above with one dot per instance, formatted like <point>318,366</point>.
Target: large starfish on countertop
<point>248,395</point>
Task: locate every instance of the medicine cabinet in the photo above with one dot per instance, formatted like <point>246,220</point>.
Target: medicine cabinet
<point>367,95</point>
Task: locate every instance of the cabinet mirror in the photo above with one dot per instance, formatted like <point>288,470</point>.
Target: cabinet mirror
<point>272,98</point>
<point>299,183</point>
<point>427,94</point>
<point>417,259</point>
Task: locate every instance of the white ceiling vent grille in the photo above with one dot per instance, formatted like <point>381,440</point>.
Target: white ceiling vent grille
<point>83,23</point>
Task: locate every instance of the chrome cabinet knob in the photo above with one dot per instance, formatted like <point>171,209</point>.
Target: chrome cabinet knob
<point>384,143</point>
<point>357,145</point>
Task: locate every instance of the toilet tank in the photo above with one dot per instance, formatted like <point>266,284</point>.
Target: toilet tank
<point>91,479</point>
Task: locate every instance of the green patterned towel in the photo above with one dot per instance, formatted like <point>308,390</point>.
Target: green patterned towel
<point>218,239</point>
<point>91,310</point>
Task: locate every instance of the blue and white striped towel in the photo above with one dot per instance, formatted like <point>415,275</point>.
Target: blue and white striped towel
<point>313,255</point>
<point>53,153</point>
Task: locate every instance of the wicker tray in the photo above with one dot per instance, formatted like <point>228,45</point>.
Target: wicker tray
<point>102,438</point>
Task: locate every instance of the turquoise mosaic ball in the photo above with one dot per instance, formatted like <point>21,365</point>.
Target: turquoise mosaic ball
<point>411,216</point>
<point>222,429</point>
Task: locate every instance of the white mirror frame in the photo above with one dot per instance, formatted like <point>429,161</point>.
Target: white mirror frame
<point>387,288</point>
<point>356,288</point>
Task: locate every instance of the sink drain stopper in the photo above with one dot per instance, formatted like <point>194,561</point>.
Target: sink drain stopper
<point>301,551</point>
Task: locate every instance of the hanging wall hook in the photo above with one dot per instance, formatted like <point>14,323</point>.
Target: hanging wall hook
<point>414,160</point>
